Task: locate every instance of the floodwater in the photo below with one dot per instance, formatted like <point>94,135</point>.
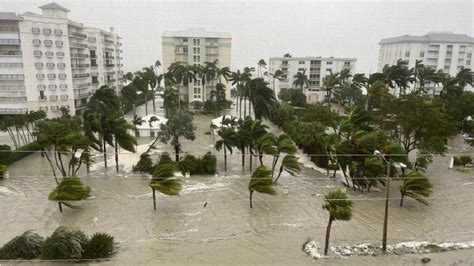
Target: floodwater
<point>226,231</point>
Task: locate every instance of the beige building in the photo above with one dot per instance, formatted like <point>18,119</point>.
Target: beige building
<point>48,61</point>
<point>196,46</point>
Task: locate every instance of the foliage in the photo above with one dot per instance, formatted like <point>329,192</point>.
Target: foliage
<point>165,158</point>
<point>295,97</point>
<point>261,181</point>
<point>415,185</point>
<point>26,246</point>
<point>7,157</point>
<point>209,163</point>
<point>101,245</point>
<point>462,160</point>
<point>144,165</point>
<point>5,147</point>
<point>3,170</point>
<point>70,189</point>
<point>163,180</point>
<point>190,164</point>
<point>338,204</point>
<point>65,243</point>
<point>21,127</point>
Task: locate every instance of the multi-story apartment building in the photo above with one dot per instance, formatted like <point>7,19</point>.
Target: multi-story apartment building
<point>315,68</point>
<point>439,50</point>
<point>48,61</point>
<point>196,46</point>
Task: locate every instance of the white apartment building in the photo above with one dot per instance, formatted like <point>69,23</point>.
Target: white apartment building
<point>196,46</point>
<point>315,68</point>
<point>48,61</point>
<point>447,51</point>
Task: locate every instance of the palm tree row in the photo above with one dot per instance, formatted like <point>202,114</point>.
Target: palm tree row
<point>21,127</point>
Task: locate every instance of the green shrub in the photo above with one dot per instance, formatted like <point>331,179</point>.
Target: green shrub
<point>209,164</point>
<point>8,157</point>
<point>26,246</point>
<point>65,243</point>
<point>3,170</point>
<point>165,159</point>
<point>70,189</point>
<point>144,165</point>
<point>190,164</point>
<point>5,147</point>
<point>101,245</point>
<point>457,161</point>
<point>165,170</point>
<point>465,160</point>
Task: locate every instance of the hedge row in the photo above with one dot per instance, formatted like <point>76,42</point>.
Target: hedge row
<point>8,157</point>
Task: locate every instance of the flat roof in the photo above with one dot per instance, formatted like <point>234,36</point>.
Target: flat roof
<point>195,33</point>
<point>306,58</point>
<point>9,16</point>
<point>431,37</point>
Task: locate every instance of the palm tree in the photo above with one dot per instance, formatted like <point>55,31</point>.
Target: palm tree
<point>266,145</point>
<point>415,185</point>
<point>140,81</point>
<point>465,77</point>
<point>301,80</point>
<point>149,74</point>
<point>290,165</point>
<point>261,181</point>
<point>227,141</point>
<point>331,84</point>
<point>376,90</point>
<point>339,206</point>
<point>243,138</point>
<point>358,82</point>
<point>120,130</point>
<point>277,75</point>
<point>261,64</point>
<point>256,131</point>
<point>223,73</point>
<point>284,144</point>
<point>163,180</point>
<point>180,124</point>
<point>261,97</point>
<point>130,96</point>
<point>69,189</point>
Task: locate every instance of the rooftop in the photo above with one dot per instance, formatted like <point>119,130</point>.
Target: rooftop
<point>9,16</point>
<point>431,37</point>
<point>195,33</point>
<point>53,5</point>
<point>307,58</point>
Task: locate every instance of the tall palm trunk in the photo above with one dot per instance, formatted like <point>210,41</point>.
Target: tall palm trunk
<point>401,200</point>
<point>146,103</point>
<point>153,98</point>
<point>105,152</point>
<point>60,206</point>
<point>328,233</point>
<point>176,150</point>
<point>154,199</point>
<point>225,159</point>
<point>116,156</point>
<point>243,157</point>
<point>245,106</point>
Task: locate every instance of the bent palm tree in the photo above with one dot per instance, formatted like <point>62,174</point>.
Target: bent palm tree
<point>163,180</point>
<point>290,165</point>
<point>301,80</point>
<point>339,206</point>
<point>69,189</point>
<point>261,181</point>
<point>227,141</point>
<point>416,186</point>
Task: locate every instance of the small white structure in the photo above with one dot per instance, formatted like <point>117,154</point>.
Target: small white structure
<point>150,126</point>
<point>217,122</point>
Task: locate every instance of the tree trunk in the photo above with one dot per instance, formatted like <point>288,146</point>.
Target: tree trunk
<point>60,206</point>
<point>328,233</point>
<point>153,98</point>
<point>116,156</point>
<point>146,103</point>
<point>401,200</point>
<point>176,150</point>
<point>154,200</point>
<point>250,160</point>
<point>281,170</point>
<point>105,153</point>
<point>243,157</point>
<point>251,192</point>
<point>225,159</point>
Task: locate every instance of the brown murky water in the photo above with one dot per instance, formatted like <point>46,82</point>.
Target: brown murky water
<point>227,231</point>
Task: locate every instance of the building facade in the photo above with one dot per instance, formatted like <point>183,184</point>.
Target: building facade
<point>196,46</point>
<point>315,68</point>
<point>439,50</point>
<point>48,61</point>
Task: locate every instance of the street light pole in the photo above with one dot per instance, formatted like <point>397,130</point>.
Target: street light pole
<point>387,190</point>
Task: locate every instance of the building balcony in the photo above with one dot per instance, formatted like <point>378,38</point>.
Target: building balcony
<point>79,56</point>
<point>108,41</point>
<point>9,41</point>
<point>109,49</point>
<point>82,95</point>
<point>78,45</point>
<point>79,66</point>
<point>9,29</point>
<point>81,85</point>
<point>109,57</point>
<point>77,35</point>
<point>12,111</point>
<point>81,76</point>
<point>10,53</point>
<point>109,65</point>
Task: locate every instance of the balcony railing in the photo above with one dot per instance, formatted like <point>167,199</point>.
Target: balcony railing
<point>81,76</point>
<point>5,111</point>
<point>78,45</point>
<point>109,57</point>
<point>78,35</point>
<point>79,55</point>
<point>109,65</point>
<point>79,65</point>
<point>93,65</point>
<point>82,95</point>
<point>10,53</point>
<point>9,41</point>
<point>82,85</point>
<point>9,29</point>
<point>108,41</point>
<point>109,49</point>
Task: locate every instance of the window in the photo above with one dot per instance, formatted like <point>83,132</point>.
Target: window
<point>407,54</point>
<point>185,50</point>
<point>42,96</point>
<point>39,65</point>
<point>346,64</point>
<point>48,43</point>
<point>43,108</point>
<point>468,62</point>
<point>62,76</point>
<point>52,87</point>
<point>91,39</point>
<point>285,63</point>
<point>315,62</point>
<point>55,108</point>
<point>93,63</point>
<point>49,54</point>
<point>329,70</point>
<point>422,54</point>
<point>40,76</point>
<point>53,97</point>
<point>41,87</point>
<point>194,42</point>
<point>50,65</point>
<point>469,55</point>
<point>61,65</point>
<point>58,32</point>
<point>92,54</point>
<point>95,80</point>
<point>65,106</point>
<point>185,39</point>
<point>35,30</point>
<point>329,63</point>
<point>37,53</point>
<point>63,86</point>
<point>60,54</point>
<point>46,31</point>
<point>301,70</point>
<point>59,43</point>
<point>64,97</point>
<point>301,62</point>
<point>12,77</point>
<point>449,47</point>
<point>51,76</point>
<point>36,42</point>
<point>449,53</point>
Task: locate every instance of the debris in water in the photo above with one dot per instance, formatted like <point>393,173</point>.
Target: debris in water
<point>205,204</point>
<point>425,260</point>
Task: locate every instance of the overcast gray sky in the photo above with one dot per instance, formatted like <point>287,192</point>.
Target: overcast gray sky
<point>263,29</point>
